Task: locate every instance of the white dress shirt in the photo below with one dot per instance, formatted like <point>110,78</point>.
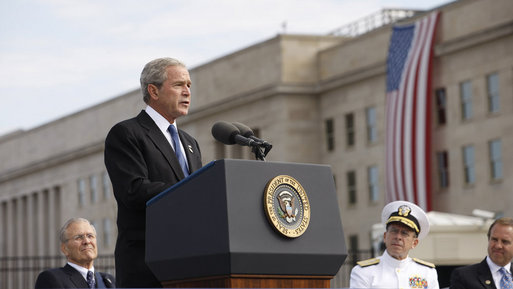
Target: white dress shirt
<point>83,271</point>
<point>495,269</point>
<point>163,125</point>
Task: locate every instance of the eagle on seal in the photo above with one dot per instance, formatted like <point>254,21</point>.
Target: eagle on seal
<point>287,206</point>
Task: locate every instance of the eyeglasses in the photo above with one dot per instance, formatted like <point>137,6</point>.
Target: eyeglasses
<point>82,237</point>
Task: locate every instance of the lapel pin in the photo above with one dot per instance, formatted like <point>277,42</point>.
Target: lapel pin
<point>488,282</point>
<point>190,148</point>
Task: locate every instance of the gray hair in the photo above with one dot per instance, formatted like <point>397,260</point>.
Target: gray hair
<point>62,231</point>
<point>154,72</point>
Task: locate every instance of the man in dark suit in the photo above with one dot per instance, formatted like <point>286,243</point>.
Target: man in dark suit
<point>78,244</point>
<point>141,161</point>
<point>494,272</point>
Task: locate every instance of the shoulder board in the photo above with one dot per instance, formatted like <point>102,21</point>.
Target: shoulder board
<point>368,262</point>
<point>421,262</point>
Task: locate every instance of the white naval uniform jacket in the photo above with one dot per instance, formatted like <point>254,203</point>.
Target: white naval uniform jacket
<point>393,273</point>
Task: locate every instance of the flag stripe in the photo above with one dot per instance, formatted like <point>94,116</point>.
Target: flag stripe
<point>424,108</point>
<point>407,120</point>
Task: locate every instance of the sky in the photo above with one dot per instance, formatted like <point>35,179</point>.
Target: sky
<point>58,57</point>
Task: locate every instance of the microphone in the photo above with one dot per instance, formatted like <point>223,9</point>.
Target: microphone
<point>262,144</point>
<point>229,134</point>
<point>238,133</point>
<point>248,132</point>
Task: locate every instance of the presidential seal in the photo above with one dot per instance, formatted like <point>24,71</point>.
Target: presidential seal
<point>286,206</point>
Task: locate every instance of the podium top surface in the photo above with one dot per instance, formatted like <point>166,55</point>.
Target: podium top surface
<point>213,163</point>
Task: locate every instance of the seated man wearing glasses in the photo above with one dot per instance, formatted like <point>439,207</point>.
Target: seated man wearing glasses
<point>78,244</point>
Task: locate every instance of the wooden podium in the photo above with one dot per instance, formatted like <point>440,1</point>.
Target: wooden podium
<point>211,230</point>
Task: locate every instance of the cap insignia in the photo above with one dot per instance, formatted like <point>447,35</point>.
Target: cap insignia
<point>404,211</point>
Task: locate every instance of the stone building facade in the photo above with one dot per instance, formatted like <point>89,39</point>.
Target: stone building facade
<point>312,97</point>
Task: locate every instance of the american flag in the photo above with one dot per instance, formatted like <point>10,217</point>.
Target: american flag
<point>407,112</point>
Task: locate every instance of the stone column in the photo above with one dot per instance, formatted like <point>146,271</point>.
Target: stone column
<point>41,225</point>
<point>11,227</point>
<point>57,213</point>
<point>11,238</point>
<point>20,237</point>
<point>50,217</point>
<point>3,228</point>
<point>31,226</point>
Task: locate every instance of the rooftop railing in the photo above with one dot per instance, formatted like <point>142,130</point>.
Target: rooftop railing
<point>374,21</point>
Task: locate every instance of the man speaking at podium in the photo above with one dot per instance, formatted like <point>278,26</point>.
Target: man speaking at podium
<point>146,155</point>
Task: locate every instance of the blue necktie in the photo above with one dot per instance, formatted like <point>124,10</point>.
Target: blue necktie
<point>90,279</point>
<point>506,282</point>
<point>178,149</point>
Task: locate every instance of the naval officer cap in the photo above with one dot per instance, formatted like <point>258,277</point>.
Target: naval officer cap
<point>407,213</point>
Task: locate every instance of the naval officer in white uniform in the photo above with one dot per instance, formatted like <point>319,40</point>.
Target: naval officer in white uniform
<point>406,224</point>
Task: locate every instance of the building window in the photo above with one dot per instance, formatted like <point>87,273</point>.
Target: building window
<point>330,134</point>
<point>372,176</point>
<point>96,229</point>
<point>492,86</point>
<point>372,131</point>
<point>106,186</point>
<point>256,132</point>
<point>237,152</point>
<point>93,182</point>
<point>466,100</point>
<point>441,106</point>
<point>353,248</point>
<point>350,129</point>
<point>107,228</point>
<point>81,191</point>
<point>443,169</point>
<point>95,225</point>
<point>219,150</point>
<point>468,164</point>
<point>495,159</point>
<point>351,187</point>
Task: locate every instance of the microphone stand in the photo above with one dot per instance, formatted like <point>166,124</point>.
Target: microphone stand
<point>261,150</point>
<point>259,154</point>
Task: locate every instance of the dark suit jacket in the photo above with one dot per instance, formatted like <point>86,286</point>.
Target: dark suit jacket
<point>141,163</point>
<point>68,277</point>
<point>476,276</point>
